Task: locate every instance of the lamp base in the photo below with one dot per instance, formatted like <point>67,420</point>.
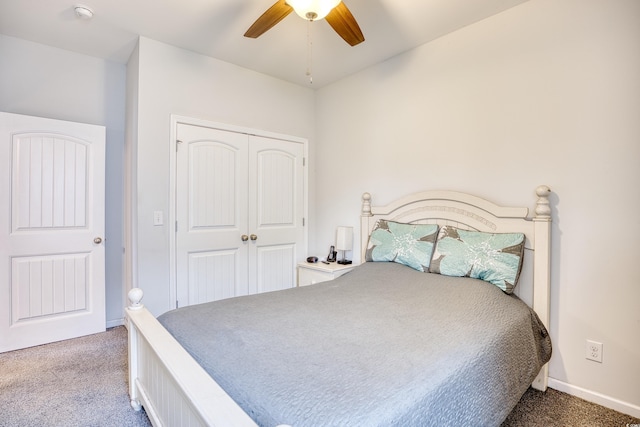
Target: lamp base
<point>344,261</point>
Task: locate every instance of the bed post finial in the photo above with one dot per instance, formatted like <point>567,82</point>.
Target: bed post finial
<point>135,296</point>
<point>366,204</point>
<point>542,205</point>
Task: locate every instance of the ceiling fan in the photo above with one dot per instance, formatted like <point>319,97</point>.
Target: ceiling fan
<point>334,11</point>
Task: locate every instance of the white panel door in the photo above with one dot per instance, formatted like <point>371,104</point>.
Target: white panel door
<point>211,213</point>
<point>51,230</point>
<point>239,211</point>
<point>276,212</point>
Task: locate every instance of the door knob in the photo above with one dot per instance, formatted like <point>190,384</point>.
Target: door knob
<point>97,240</point>
<point>254,237</point>
<point>244,237</point>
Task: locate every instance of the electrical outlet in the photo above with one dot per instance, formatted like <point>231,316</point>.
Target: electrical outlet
<point>594,351</point>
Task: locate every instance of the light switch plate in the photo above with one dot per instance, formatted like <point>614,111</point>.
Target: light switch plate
<point>158,218</point>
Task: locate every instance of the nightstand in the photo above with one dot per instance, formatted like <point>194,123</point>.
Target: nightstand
<point>312,273</point>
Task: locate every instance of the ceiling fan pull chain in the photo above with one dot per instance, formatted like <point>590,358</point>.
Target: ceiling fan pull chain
<point>309,53</point>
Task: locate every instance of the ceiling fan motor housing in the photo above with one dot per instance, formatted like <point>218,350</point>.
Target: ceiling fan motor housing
<point>313,9</point>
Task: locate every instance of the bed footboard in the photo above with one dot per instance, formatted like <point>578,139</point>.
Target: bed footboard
<point>168,382</point>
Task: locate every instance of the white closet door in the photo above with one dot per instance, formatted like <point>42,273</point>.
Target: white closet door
<point>51,230</point>
<point>276,211</point>
<point>239,209</point>
<point>211,212</point>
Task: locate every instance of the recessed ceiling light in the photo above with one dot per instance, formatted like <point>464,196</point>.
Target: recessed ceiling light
<point>83,12</point>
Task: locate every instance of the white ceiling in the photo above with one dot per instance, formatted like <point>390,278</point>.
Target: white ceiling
<point>215,28</point>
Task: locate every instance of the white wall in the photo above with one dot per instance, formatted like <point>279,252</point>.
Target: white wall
<point>547,92</point>
<point>176,81</point>
<point>38,80</point>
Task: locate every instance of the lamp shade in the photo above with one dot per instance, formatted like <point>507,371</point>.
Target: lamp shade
<point>344,238</point>
<point>313,9</point>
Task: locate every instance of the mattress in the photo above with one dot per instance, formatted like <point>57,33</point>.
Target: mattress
<point>383,345</point>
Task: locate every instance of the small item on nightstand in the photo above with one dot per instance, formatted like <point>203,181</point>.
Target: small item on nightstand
<point>332,254</point>
<point>312,259</point>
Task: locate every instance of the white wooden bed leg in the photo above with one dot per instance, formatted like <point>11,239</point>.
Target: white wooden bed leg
<point>542,270</point>
<point>135,296</point>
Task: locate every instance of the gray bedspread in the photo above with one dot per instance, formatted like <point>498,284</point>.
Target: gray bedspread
<point>383,345</point>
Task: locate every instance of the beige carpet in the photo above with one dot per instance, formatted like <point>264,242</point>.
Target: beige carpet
<point>80,382</point>
<point>556,409</point>
<point>83,382</point>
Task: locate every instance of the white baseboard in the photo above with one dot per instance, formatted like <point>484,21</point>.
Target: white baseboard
<point>592,396</point>
<point>114,323</point>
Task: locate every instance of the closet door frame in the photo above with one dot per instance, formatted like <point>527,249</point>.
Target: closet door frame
<point>179,119</point>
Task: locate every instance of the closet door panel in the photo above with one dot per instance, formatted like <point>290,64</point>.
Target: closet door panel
<point>276,210</point>
<point>273,265</point>
<point>211,214</point>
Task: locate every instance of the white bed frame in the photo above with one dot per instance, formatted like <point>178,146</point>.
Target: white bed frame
<point>176,391</point>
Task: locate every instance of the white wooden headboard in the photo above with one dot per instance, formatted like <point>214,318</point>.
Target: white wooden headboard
<point>474,213</point>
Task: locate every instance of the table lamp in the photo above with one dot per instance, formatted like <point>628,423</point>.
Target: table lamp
<point>344,242</point>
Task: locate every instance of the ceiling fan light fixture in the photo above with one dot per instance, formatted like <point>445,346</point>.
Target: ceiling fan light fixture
<point>313,10</point>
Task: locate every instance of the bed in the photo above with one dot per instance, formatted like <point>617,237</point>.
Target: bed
<point>389,343</point>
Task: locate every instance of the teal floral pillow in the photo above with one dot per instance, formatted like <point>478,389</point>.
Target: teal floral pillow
<point>495,258</point>
<point>408,244</point>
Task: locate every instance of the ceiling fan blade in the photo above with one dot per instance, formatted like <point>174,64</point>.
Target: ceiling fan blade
<point>267,20</point>
<point>343,22</point>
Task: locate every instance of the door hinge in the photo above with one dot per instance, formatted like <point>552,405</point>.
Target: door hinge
<point>303,222</point>
<point>176,226</point>
<point>176,304</point>
<point>304,161</point>
<point>178,142</point>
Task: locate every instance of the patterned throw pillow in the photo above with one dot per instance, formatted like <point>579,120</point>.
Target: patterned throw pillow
<point>495,258</point>
<point>408,244</point>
